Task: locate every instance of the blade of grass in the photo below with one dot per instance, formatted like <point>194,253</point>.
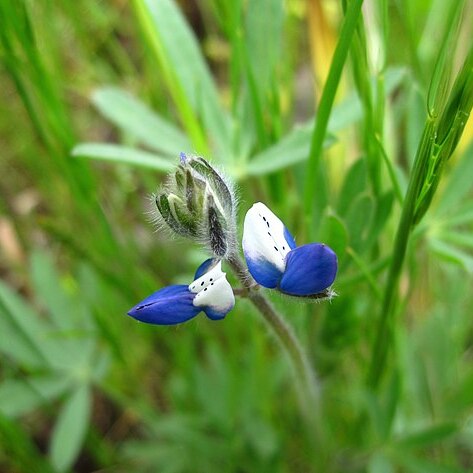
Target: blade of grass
<point>313,168</point>
<point>421,187</point>
<point>186,73</point>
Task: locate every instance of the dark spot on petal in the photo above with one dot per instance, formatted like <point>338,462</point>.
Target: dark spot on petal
<point>283,247</point>
<point>264,218</point>
<point>212,284</point>
<point>202,283</point>
<point>205,289</point>
<point>144,306</point>
<point>269,234</point>
<point>267,223</point>
<point>211,279</point>
<point>276,248</point>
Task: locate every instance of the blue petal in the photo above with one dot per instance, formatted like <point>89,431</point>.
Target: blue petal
<point>309,270</point>
<point>263,272</point>
<point>216,315</point>
<point>289,238</point>
<point>204,267</point>
<point>168,306</point>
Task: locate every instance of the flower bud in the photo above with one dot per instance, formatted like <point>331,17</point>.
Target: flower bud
<point>199,203</point>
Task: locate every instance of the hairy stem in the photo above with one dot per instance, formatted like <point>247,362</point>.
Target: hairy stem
<point>284,334</point>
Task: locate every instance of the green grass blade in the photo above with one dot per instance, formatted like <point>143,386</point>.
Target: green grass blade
<point>313,169</point>
<point>187,75</point>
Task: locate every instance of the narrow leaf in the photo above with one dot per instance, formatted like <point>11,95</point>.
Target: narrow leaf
<point>291,150</point>
<point>18,397</point>
<point>134,117</point>
<point>70,429</point>
<point>123,155</point>
<point>428,436</point>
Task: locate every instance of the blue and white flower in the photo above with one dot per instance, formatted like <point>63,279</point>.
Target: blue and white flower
<point>276,262</point>
<point>210,292</point>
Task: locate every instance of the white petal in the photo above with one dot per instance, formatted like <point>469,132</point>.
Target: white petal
<point>207,279</point>
<point>218,295</point>
<point>263,237</point>
<point>213,290</point>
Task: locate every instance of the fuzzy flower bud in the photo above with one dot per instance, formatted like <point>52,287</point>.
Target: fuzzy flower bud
<point>199,203</point>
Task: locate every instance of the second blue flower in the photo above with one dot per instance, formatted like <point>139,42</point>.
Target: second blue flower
<point>276,262</point>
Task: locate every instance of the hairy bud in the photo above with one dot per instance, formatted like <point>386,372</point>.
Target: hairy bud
<point>199,203</point>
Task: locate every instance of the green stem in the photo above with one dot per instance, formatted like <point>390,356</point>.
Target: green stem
<point>285,335</point>
<point>325,107</point>
<point>385,326</point>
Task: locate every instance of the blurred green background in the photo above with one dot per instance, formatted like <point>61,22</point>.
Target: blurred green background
<point>97,100</point>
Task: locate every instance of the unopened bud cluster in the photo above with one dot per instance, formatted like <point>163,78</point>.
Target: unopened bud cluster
<point>198,203</point>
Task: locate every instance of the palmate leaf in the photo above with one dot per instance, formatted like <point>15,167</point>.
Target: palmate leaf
<point>62,341</point>
<point>452,253</point>
<point>291,150</point>
<point>294,148</point>
<point>23,332</point>
<point>135,118</point>
<point>18,397</point>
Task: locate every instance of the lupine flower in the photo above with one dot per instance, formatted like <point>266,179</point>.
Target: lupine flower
<point>210,292</point>
<point>199,203</point>
<point>276,262</point>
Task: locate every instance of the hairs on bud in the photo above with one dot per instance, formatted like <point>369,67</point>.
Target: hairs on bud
<point>220,240</point>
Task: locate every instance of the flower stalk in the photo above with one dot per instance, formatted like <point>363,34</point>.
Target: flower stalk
<point>284,334</point>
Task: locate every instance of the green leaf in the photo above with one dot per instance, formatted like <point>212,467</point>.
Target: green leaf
<point>412,464</point>
<point>294,148</point>
<point>22,331</point>
<point>49,288</point>
<point>123,155</point>
<point>428,436</point>
<point>380,464</point>
<point>133,117</point>
<point>416,115</point>
<point>382,212</point>
<point>458,184</point>
<point>264,22</point>
<point>291,150</point>
<point>32,341</point>
<point>358,220</point>
<point>355,183</point>
<point>334,233</point>
<point>18,447</point>
<point>452,254</point>
<point>458,238</point>
<point>18,397</point>
<point>185,68</point>
<point>70,429</point>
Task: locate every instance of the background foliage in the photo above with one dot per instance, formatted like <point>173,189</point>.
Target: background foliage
<point>131,84</point>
